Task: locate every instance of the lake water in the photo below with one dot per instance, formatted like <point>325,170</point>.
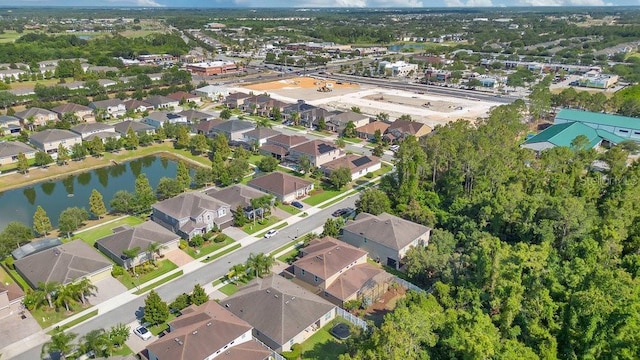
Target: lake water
<point>57,195</point>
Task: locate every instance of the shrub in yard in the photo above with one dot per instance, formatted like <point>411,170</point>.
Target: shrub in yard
<point>117,271</point>
<point>352,305</point>
<point>369,176</point>
<point>220,238</point>
<point>295,352</point>
<point>183,244</point>
<point>196,241</point>
<point>9,263</point>
<point>181,302</point>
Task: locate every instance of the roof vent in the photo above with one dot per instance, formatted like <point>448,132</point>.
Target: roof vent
<point>293,298</point>
<point>268,291</point>
<point>226,305</point>
<point>195,332</point>
<point>286,302</point>
<point>209,324</point>
<point>276,295</point>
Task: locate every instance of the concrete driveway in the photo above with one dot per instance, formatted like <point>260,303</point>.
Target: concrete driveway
<point>13,328</point>
<point>178,257</point>
<point>107,289</point>
<point>235,233</point>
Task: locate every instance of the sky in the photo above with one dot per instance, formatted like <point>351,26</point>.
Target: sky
<point>322,3</point>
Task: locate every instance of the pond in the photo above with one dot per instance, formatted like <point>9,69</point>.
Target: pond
<point>58,194</point>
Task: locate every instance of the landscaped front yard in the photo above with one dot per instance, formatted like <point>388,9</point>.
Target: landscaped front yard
<point>289,208</point>
<point>320,195</point>
<point>250,228</point>
<point>131,281</point>
<point>208,247</point>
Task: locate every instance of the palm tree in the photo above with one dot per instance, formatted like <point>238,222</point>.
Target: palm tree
<point>84,288</point>
<point>65,296</point>
<point>131,254</point>
<point>295,117</point>
<point>48,288</point>
<point>237,273</point>
<point>263,122</point>
<point>60,343</point>
<point>154,249</point>
<point>94,340</point>
<point>33,299</point>
<point>260,263</point>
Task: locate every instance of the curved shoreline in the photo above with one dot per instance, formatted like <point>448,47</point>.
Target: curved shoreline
<point>103,163</point>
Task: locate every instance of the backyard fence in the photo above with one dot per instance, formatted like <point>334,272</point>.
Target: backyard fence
<point>409,286</point>
<point>352,319</point>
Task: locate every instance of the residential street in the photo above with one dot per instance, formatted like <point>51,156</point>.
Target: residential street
<point>126,312</point>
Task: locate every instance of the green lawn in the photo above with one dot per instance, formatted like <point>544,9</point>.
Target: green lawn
<point>208,248</point>
<point>321,196</point>
<point>159,282</point>
<point>255,159</point>
<point>222,253</point>
<point>322,345</point>
<point>285,247</point>
<point>290,209</point>
<point>91,236</point>
<point>46,316</point>
<point>157,329</point>
<point>229,289</point>
<point>276,227</point>
<point>352,140</point>
<point>288,257</point>
<point>5,278</point>
<point>11,276</point>
<point>249,228</point>
<point>123,351</point>
<point>130,281</point>
<point>77,321</point>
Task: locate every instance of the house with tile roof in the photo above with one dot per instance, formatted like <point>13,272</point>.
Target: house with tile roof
<point>234,100</point>
<point>159,118</point>
<point>48,140</point>
<point>284,187</point>
<point>385,237</point>
<point>279,145</point>
<point>281,312</point>
<point>183,95</point>
<point>339,272</point>
<point>9,151</point>
<point>64,264</point>
<point>359,165</point>
<point>208,331</point>
<point>195,116</point>
<point>141,236</point>
<point>192,213</point>
<point>319,152</point>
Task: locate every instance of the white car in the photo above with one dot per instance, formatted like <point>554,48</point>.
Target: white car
<point>142,332</point>
<point>270,233</point>
<point>394,147</point>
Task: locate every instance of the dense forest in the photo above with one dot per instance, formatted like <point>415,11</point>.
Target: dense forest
<point>530,257</point>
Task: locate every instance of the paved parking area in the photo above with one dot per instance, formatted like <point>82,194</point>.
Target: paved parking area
<point>107,289</point>
<point>235,233</point>
<point>135,343</point>
<point>178,257</point>
<point>13,328</point>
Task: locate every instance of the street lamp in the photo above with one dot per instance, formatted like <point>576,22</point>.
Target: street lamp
<point>297,232</point>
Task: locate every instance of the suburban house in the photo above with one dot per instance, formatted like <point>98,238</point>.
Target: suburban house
<point>141,237</point>
<point>281,312</point>
<point>386,237</point>
<point>162,102</point>
<point>105,83</point>
<point>194,116</point>
<point>185,96</point>
<point>400,129</point>
<point>192,213</point>
<point>563,135</point>
<point>159,118</point>
<point>137,127</point>
<point>11,296</point>
<point>208,331</point>
<point>233,101</point>
<point>212,92</point>
<point>359,165</point>
<point>337,123</point>
<point>368,131</point>
<point>259,135</point>
<point>81,112</point>
<point>137,106</point>
<point>622,126</point>
<point>9,151</point>
<point>87,129</point>
<point>10,124</point>
<point>340,272</point>
<point>64,264</point>
<point>36,116</point>
<point>309,114</point>
<point>205,127</point>
<point>48,140</point>
<point>238,195</point>
<point>261,105</point>
<point>317,151</point>
<point>234,129</point>
<point>278,146</point>
<point>284,187</point>
<point>111,108</point>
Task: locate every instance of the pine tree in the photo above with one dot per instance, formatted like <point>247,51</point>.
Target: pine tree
<point>41,222</point>
<point>156,311</point>
<point>63,155</point>
<point>182,175</point>
<point>144,195</point>
<point>198,296</point>
<point>96,204</point>
<point>23,163</point>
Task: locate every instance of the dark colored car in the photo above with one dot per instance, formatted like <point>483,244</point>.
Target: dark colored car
<point>297,204</point>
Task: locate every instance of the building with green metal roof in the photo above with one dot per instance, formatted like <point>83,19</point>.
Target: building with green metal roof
<point>621,126</point>
<point>564,133</point>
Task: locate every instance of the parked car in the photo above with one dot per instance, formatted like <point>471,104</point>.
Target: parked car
<point>271,233</point>
<point>343,212</point>
<point>394,147</point>
<point>142,332</point>
<point>297,204</point>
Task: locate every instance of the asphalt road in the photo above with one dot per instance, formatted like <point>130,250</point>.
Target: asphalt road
<point>126,313</point>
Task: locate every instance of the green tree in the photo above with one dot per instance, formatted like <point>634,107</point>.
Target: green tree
<point>378,150</point>
<point>123,202</point>
<point>237,273</point>
<point>168,188</point>
<point>42,159</point>
<point>350,130</point>
<point>340,142</point>
<point>130,255</point>
<point>276,114</point>
<point>61,343</point>
<point>153,251</point>
<point>268,164</point>
<point>182,138</point>
<point>260,263</point>
<point>63,155</point>
<point>198,295</point>
<point>180,302</point>
<point>96,146</point>
<point>96,204</point>
<point>131,140</point>
<point>202,177</point>
<point>65,296</point>
<point>332,227</point>
<point>144,196</point>
<point>340,177</point>
<point>239,217</point>
<point>322,124</point>
<point>78,151</point>
<point>373,201</point>
<point>156,311</point>
<point>71,219</point>
<point>305,164</point>
<point>221,146</point>
<point>198,144</point>
<point>84,288</point>
<point>41,222</point>
<point>94,341</point>
<point>182,175</point>
<point>23,163</point>
<point>225,114</point>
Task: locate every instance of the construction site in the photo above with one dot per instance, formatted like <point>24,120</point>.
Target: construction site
<point>426,108</point>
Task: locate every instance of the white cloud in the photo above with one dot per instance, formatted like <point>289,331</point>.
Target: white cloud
<point>468,3</point>
<point>354,3</point>
<point>143,3</point>
<point>540,2</point>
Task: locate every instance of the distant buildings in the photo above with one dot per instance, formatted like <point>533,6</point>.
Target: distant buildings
<point>213,68</point>
<point>398,68</point>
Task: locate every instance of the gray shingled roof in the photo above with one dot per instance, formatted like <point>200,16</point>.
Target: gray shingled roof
<point>261,133</point>
<point>189,205</point>
<point>62,264</point>
<point>232,126</point>
<point>52,135</point>
<point>325,257</point>
<point>34,111</point>
<point>103,104</point>
<point>13,148</point>
<point>277,308</point>
<point>137,126</point>
<point>70,108</point>
<point>386,229</point>
<point>91,127</point>
<point>279,183</point>
<point>235,195</point>
<point>140,236</point>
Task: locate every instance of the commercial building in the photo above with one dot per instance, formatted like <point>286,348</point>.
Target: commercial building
<point>213,68</point>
